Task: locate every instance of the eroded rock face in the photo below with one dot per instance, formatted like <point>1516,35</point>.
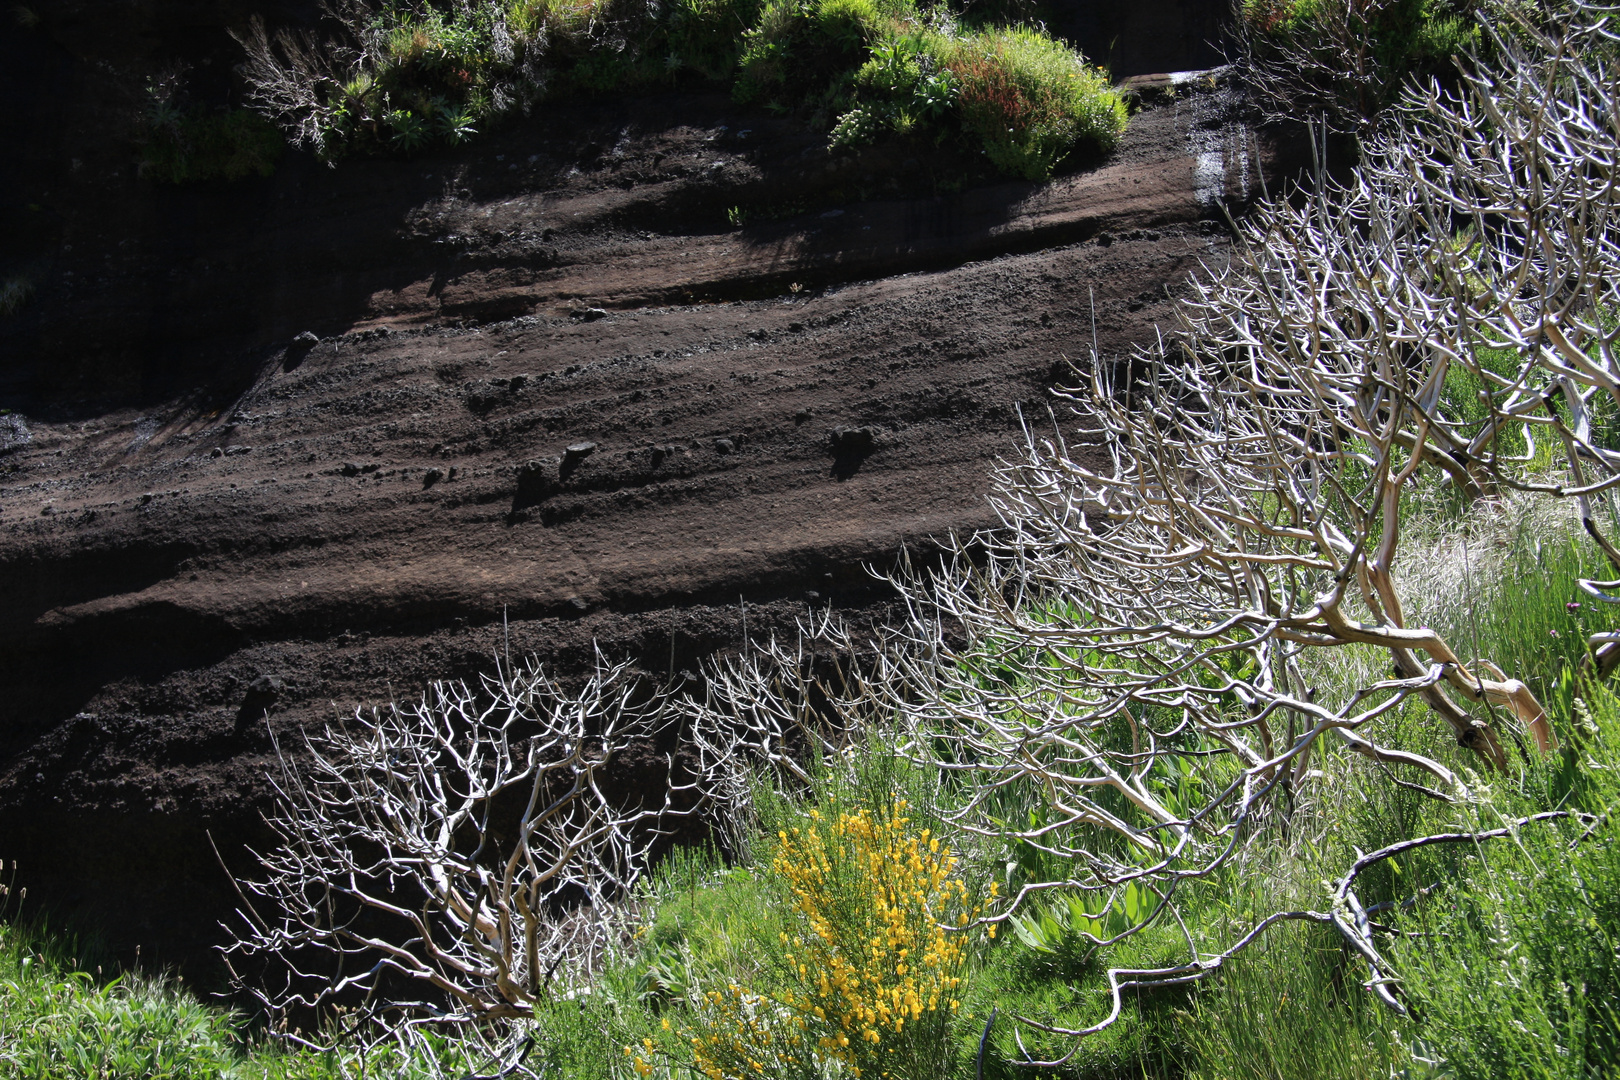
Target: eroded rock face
<point>212,526</point>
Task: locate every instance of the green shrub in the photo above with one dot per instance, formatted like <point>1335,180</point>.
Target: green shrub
<point>706,36</point>
<point>1407,36</point>
<point>798,44</point>
<point>900,89</point>
<point>202,145</point>
<point>1018,95</point>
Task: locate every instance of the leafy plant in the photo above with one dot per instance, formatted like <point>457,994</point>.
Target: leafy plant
<point>455,126</point>
<point>410,132</point>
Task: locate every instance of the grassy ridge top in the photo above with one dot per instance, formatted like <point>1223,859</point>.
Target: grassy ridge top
<point>405,77</point>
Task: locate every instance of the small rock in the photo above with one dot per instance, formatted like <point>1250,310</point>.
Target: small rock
<point>590,314</point>
<point>232,451</point>
<point>725,446</point>
<point>307,340</point>
<point>846,440</point>
<point>517,384</point>
<point>813,596</point>
<point>579,451</point>
<point>432,476</point>
<point>217,451</point>
<point>350,469</point>
<point>577,604</point>
<point>536,482</point>
<point>267,686</point>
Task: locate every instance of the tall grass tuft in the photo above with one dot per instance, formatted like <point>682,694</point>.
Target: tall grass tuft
<point>1028,100</point>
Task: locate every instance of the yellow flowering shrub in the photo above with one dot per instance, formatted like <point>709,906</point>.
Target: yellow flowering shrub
<point>870,979</point>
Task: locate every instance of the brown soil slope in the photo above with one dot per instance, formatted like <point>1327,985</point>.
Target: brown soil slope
<point>757,413</point>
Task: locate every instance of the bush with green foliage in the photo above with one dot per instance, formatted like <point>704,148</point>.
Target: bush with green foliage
<point>796,44</point>
<point>706,38</point>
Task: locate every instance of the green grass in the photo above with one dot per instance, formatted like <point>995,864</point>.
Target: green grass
<point>60,1022</point>
<point>1507,951</point>
<point>56,1021</point>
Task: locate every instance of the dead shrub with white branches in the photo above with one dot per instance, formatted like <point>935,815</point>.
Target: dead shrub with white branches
<point>473,843</point>
<point>300,80</point>
<point>480,845</point>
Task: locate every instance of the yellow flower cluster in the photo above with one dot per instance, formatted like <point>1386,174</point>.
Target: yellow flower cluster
<point>873,977</point>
